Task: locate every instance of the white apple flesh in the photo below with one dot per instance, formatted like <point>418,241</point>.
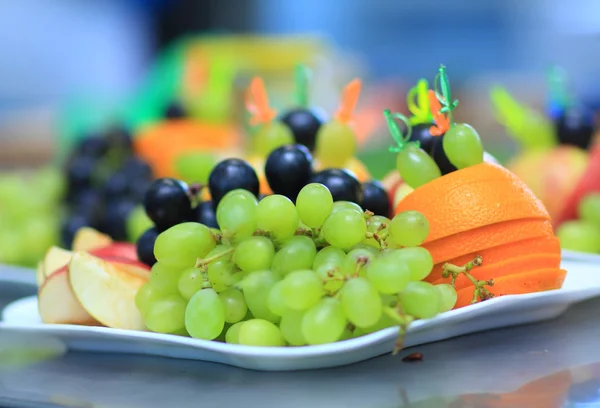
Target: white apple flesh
<point>58,305</point>
<point>55,259</point>
<point>107,289</point>
<point>87,239</point>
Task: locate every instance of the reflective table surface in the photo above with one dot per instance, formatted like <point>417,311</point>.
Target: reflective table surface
<point>546,365</point>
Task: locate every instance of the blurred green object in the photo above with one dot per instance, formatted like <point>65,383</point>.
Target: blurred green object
<point>195,167</point>
<point>137,223</point>
<point>379,161</point>
<point>530,129</point>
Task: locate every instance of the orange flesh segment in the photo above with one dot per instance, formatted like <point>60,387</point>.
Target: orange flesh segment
<point>534,281</point>
<point>513,266</point>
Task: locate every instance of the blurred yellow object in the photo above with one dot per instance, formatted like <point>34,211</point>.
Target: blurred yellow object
<point>258,164</point>
<point>359,169</point>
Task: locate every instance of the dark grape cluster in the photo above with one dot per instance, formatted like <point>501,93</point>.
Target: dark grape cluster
<point>304,124</point>
<point>106,181</point>
<point>575,126</point>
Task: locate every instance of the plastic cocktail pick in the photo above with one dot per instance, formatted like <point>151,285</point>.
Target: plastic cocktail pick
<point>395,131</point>
<point>257,103</point>
<point>350,95</point>
<point>417,101</point>
<point>301,81</point>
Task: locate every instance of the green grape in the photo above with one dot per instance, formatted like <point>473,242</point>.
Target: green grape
<point>220,275</point>
<point>332,266</point>
<point>579,236</point>
<point>237,192</point>
<point>374,225</point>
<point>270,136</point>
<point>256,287</point>
<point>181,245</point>
<point>205,315</point>
<point>589,209</point>
<point>236,215</point>
<point>165,278</point>
<point>361,302</point>
<point>314,204</point>
<point>277,300</point>
<point>190,282</point>
<point>336,144</point>
<point>357,260</point>
<point>234,305</point>
<point>195,167</point>
<point>146,296</point>
<point>346,335</point>
<point>409,228</point>
<point>259,332</point>
<point>324,322</point>
<point>417,259</point>
<point>347,205</point>
<point>296,254</point>
<point>166,315</point>
<point>301,289</point>
<point>327,255</point>
<point>420,299</point>
<point>238,277</point>
<point>137,223</point>
<point>291,327</point>
<point>388,300</point>
<point>384,322</point>
<point>254,254</point>
<point>387,275</point>
<point>416,167</point>
<point>232,334</point>
<point>447,295</point>
<point>344,228</point>
<point>463,146</point>
<point>277,215</point>
<point>323,272</point>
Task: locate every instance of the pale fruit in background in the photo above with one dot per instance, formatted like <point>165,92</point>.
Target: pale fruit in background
<point>55,259</point>
<point>107,290</point>
<point>552,174</point>
<point>58,305</point>
<point>87,239</point>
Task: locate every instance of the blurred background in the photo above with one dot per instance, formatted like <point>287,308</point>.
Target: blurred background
<point>71,68</point>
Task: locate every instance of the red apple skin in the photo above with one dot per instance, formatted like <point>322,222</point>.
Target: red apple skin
<point>118,249</point>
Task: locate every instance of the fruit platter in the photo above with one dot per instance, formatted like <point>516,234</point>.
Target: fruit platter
<point>301,263</point>
<point>559,159</point>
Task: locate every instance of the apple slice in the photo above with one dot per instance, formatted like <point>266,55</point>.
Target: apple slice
<point>55,259</point>
<point>57,303</point>
<point>39,274</point>
<point>107,290</point>
<point>117,249</point>
<point>87,239</point>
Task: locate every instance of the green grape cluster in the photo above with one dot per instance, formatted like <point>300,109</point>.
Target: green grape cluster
<point>280,273</point>
<point>29,202</point>
<point>583,234</point>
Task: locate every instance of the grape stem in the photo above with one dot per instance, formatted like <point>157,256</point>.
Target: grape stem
<point>403,320</point>
<point>205,280</point>
<point>203,262</point>
<point>480,293</point>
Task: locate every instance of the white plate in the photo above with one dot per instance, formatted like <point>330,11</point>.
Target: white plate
<point>17,274</point>
<point>583,282</point>
<point>580,257</point>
